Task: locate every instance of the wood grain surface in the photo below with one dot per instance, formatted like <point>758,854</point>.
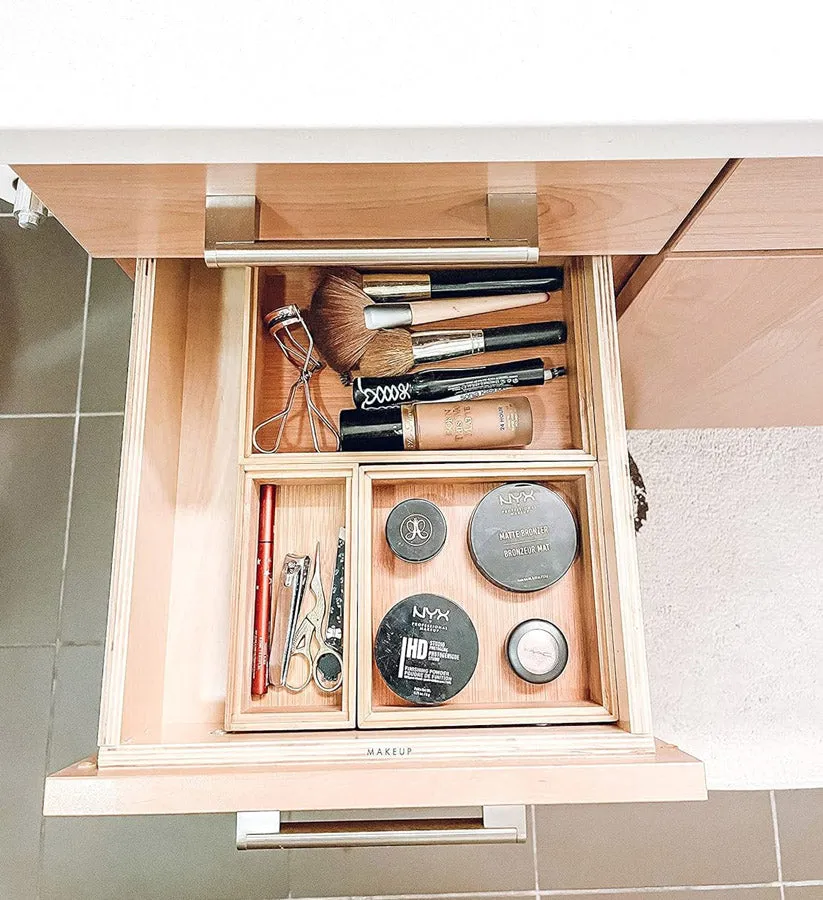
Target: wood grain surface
<point>726,341</point>
<point>304,513</point>
<point>495,612</point>
<point>552,404</point>
<point>586,207</point>
<point>765,204</point>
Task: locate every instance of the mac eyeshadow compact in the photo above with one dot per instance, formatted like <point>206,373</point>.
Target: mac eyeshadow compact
<point>416,530</point>
<point>537,651</point>
<point>426,649</point>
<point>522,536</point>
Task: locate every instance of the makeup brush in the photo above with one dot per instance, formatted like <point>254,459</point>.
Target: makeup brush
<point>392,286</point>
<point>396,315</point>
<point>342,319</point>
<point>397,351</point>
<point>335,320</point>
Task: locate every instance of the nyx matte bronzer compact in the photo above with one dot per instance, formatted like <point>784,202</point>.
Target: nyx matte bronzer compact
<point>523,536</point>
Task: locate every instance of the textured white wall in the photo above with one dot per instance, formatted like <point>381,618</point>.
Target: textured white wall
<point>731,566</point>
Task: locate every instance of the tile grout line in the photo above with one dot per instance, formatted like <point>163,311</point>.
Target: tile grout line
<point>72,467</point>
<point>663,889</point>
<point>58,415</point>
<point>559,892</point>
<point>534,851</point>
<point>51,644</point>
<point>777,853</point>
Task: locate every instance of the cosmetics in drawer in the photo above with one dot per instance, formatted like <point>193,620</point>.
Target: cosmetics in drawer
<point>292,624</point>
<point>478,597</point>
<point>358,362</point>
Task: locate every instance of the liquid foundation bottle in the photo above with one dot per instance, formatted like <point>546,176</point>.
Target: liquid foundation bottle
<point>484,424</point>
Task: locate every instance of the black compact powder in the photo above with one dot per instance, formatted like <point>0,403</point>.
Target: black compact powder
<point>426,649</point>
<point>523,536</point>
<point>537,651</point>
<point>416,530</point>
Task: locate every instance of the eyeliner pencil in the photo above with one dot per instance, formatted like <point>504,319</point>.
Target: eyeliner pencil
<point>263,593</point>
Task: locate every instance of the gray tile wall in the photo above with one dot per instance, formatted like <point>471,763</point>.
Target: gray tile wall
<point>63,352</point>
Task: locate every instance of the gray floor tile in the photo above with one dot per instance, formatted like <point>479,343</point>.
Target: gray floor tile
<point>800,823</point>
<point>156,857</point>
<point>76,705</point>
<point>25,699</point>
<point>108,330</point>
<point>410,870</point>
<point>43,278</point>
<point>805,892</point>
<point>728,839</point>
<point>35,465</point>
<point>91,535</point>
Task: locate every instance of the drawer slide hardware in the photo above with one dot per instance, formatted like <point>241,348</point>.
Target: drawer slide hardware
<point>233,232</point>
<point>265,831</point>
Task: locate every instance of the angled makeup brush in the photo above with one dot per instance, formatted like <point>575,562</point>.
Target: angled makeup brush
<point>397,351</point>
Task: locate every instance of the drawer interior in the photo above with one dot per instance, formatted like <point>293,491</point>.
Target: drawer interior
<point>495,694</point>
<point>202,374</point>
<point>556,405</point>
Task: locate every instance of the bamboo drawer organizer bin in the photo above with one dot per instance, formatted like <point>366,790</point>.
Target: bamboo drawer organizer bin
<point>179,730</point>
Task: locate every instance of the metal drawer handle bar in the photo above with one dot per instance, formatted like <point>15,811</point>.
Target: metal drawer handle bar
<point>233,231</point>
<point>263,831</point>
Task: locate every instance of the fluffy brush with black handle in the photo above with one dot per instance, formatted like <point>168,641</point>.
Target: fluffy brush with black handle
<point>398,351</point>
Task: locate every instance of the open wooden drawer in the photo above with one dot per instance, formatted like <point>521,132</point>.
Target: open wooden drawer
<point>177,666</point>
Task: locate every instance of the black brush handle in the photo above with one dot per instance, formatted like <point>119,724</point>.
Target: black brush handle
<point>513,337</point>
<point>446,384</point>
<point>486,282</point>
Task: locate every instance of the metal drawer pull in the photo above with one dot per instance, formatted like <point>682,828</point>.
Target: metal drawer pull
<point>233,231</point>
<point>264,831</point>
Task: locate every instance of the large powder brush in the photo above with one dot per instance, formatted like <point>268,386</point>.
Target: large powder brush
<point>336,321</point>
<point>399,350</point>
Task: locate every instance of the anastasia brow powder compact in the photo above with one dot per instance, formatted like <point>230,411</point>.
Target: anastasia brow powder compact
<point>537,651</point>
<point>426,649</point>
<point>522,536</point>
<point>416,530</point>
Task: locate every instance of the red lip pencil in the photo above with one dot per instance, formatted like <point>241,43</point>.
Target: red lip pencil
<point>262,593</point>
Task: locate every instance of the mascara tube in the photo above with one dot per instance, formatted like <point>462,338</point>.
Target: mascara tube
<point>450,384</point>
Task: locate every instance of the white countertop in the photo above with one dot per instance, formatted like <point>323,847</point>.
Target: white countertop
<point>365,80</point>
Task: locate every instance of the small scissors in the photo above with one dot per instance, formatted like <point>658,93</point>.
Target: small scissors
<point>329,675</point>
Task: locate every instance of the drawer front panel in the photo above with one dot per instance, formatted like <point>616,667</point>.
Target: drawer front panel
<point>765,204</point>
<point>592,207</point>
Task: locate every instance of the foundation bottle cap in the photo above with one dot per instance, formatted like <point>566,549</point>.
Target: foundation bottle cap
<point>372,429</point>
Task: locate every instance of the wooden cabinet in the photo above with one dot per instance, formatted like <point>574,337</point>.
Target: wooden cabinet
<point>200,374</point>
<point>593,207</point>
<point>764,204</point>
<point>726,340</point>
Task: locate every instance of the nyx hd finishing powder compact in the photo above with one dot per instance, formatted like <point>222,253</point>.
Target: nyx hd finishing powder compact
<point>537,651</point>
<point>522,536</point>
<point>426,649</point>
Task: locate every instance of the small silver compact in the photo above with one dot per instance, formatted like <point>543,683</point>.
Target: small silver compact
<point>537,651</point>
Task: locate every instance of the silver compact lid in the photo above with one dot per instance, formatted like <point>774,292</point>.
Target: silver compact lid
<point>537,651</point>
